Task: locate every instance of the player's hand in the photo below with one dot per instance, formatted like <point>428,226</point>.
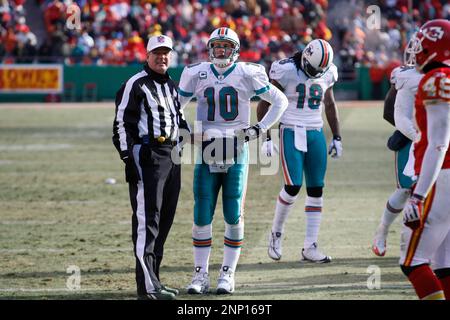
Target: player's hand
<point>413,211</point>
<point>248,134</point>
<point>131,171</point>
<point>269,148</point>
<point>335,149</point>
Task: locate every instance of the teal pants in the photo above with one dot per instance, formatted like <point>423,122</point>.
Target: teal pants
<point>295,163</point>
<point>207,186</point>
<point>401,158</point>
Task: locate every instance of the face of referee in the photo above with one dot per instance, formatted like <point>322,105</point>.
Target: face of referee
<point>159,59</point>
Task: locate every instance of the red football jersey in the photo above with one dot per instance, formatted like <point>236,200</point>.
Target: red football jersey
<point>434,86</point>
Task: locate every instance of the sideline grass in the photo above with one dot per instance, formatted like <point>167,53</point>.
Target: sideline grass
<point>56,211</point>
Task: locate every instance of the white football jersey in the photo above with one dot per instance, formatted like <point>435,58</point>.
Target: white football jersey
<point>223,101</point>
<point>406,80</point>
<point>305,95</point>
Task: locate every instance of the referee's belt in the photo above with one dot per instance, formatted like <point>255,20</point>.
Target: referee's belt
<point>161,140</point>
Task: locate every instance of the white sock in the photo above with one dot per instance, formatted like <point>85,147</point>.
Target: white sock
<point>234,237</point>
<point>202,238</point>
<point>313,212</point>
<point>394,206</point>
<point>285,202</point>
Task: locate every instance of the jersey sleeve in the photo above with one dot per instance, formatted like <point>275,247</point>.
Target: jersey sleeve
<point>332,75</point>
<point>259,78</point>
<point>278,71</point>
<point>435,87</point>
<point>394,76</point>
<point>188,81</point>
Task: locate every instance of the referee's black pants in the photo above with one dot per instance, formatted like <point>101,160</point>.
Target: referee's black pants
<point>153,200</point>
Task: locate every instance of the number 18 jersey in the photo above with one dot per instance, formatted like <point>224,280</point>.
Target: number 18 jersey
<point>305,95</point>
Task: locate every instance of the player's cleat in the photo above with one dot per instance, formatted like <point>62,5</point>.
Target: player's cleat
<point>225,283</point>
<point>275,249</point>
<point>312,254</point>
<point>199,283</point>
<point>379,242</point>
<point>159,295</point>
<point>171,290</point>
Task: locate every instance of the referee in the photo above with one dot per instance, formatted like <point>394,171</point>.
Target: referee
<point>146,130</point>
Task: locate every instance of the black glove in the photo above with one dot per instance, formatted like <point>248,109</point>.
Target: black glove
<point>248,134</point>
<point>397,141</point>
<point>131,171</point>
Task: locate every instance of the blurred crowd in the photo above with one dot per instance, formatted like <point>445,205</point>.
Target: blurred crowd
<point>114,32</point>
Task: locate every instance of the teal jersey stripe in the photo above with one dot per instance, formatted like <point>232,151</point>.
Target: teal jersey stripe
<point>185,94</point>
<point>262,90</point>
<point>216,73</point>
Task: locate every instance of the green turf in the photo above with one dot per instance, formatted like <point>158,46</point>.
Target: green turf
<point>56,211</point>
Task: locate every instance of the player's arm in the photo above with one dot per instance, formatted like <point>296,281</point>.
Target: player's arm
<point>279,103</point>
<point>263,106</point>
<point>331,112</point>
<point>438,127</point>
<point>335,148</point>
<point>186,86</point>
<point>389,103</point>
<point>403,115</point>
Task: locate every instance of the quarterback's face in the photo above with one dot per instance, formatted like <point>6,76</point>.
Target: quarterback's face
<point>159,59</point>
<point>222,49</point>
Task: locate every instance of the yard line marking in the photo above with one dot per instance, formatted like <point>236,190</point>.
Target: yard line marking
<point>187,249</point>
<point>35,147</point>
<point>127,222</point>
<point>257,287</point>
<point>59,290</point>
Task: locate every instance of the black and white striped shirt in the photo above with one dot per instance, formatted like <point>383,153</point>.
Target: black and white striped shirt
<point>147,104</point>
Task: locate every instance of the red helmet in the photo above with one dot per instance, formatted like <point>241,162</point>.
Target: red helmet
<point>432,43</point>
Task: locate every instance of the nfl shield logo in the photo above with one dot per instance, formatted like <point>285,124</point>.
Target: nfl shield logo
<point>161,39</point>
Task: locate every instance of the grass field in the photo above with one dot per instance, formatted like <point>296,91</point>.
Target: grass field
<point>56,211</point>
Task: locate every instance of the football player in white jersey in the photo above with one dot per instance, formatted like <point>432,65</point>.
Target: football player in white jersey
<point>223,88</point>
<point>399,111</point>
<point>307,79</point>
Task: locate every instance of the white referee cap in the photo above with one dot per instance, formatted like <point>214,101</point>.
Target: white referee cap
<point>159,41</point>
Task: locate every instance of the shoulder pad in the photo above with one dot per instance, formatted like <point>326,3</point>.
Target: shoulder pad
<point>251,69</point>
<point>280,67</point>
<point>195,68</point>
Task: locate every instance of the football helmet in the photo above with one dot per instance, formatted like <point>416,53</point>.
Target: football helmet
<point>317,57</point>
<point>432,43</point>
<point>230,54</point>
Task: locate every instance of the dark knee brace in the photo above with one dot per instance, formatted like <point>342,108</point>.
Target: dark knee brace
<point>314,192</point>
<point>292,190</point>
<point>408,270</point>
<point>442,273</point>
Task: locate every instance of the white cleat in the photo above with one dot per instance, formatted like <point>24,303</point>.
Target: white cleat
<point>312,254</point>
<point>379,242</point>
<point>225,283</point>
<point>274,250</point>
<point>200,282</point>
